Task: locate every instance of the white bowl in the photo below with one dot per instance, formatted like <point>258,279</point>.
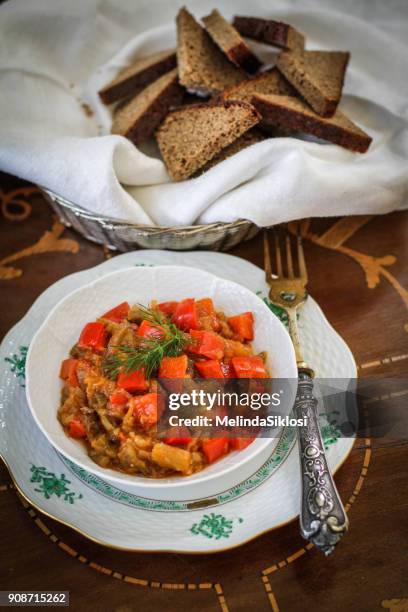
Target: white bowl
<point>61,329</point>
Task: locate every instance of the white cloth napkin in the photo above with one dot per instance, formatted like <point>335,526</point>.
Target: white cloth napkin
<point>55,55</point>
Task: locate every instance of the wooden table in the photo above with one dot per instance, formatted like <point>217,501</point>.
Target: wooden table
<point>358,271</point>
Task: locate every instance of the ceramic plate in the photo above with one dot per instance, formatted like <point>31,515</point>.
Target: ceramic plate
<point>109,515</point>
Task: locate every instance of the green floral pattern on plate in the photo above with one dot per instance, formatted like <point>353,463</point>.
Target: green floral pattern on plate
<point>214,526</point>
<point>18,363</point>
<point>49,484</point>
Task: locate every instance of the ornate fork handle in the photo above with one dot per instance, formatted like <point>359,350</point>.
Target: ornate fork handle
<point>323,519</point>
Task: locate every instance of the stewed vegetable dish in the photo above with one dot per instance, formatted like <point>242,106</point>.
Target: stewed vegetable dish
<point>110,396</point>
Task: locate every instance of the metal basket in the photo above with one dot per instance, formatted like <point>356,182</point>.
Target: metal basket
<point>122,236</point>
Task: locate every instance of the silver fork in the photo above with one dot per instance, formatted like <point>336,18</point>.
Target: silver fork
<point>323,519</point>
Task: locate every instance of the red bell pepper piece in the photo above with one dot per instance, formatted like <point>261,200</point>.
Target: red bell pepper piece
<point>135,381</point>
<point>76,428</point>
<point>181,437</point>
<point>177,441</point>
<point>185,315</point>
<point>117,314</point>
<point>93,336</point>
<point>68,372</point>
<point>249,367</point>
<point>167,308</point>
<point>207,344</point>
<point>118,398</point>
<point>209,369</point>
<point>118,403</point>
<point>215,448</point>
<point>243,325</point>
<point>146,408</point>
<point>173,367</point>
<point>240,443</point>
<point>147,330</point>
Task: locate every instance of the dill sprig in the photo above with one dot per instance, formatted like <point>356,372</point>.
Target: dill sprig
<point>149,352</point>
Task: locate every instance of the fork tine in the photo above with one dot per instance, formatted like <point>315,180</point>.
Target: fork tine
<point>267,256</point>
<point>279,269</point>
<point>301,257</point>
<point>289,260</point>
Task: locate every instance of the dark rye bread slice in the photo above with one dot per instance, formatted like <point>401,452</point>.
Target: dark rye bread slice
<point>203,67</point>
<point>270,82</point>
<point>138,118</point>
<point>294,114</point>
<point>250,137</point>
<point>317,75</point>
<point>230,42</point>
<point>142,72</point>
<point>270,32</point>
<point>191,136</point>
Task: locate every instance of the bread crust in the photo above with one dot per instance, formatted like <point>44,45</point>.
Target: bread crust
<point>144,124</point>
<point>276,111</point>
<point>230,42</point>
<point>133,82</point>
<point>270,32</point>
